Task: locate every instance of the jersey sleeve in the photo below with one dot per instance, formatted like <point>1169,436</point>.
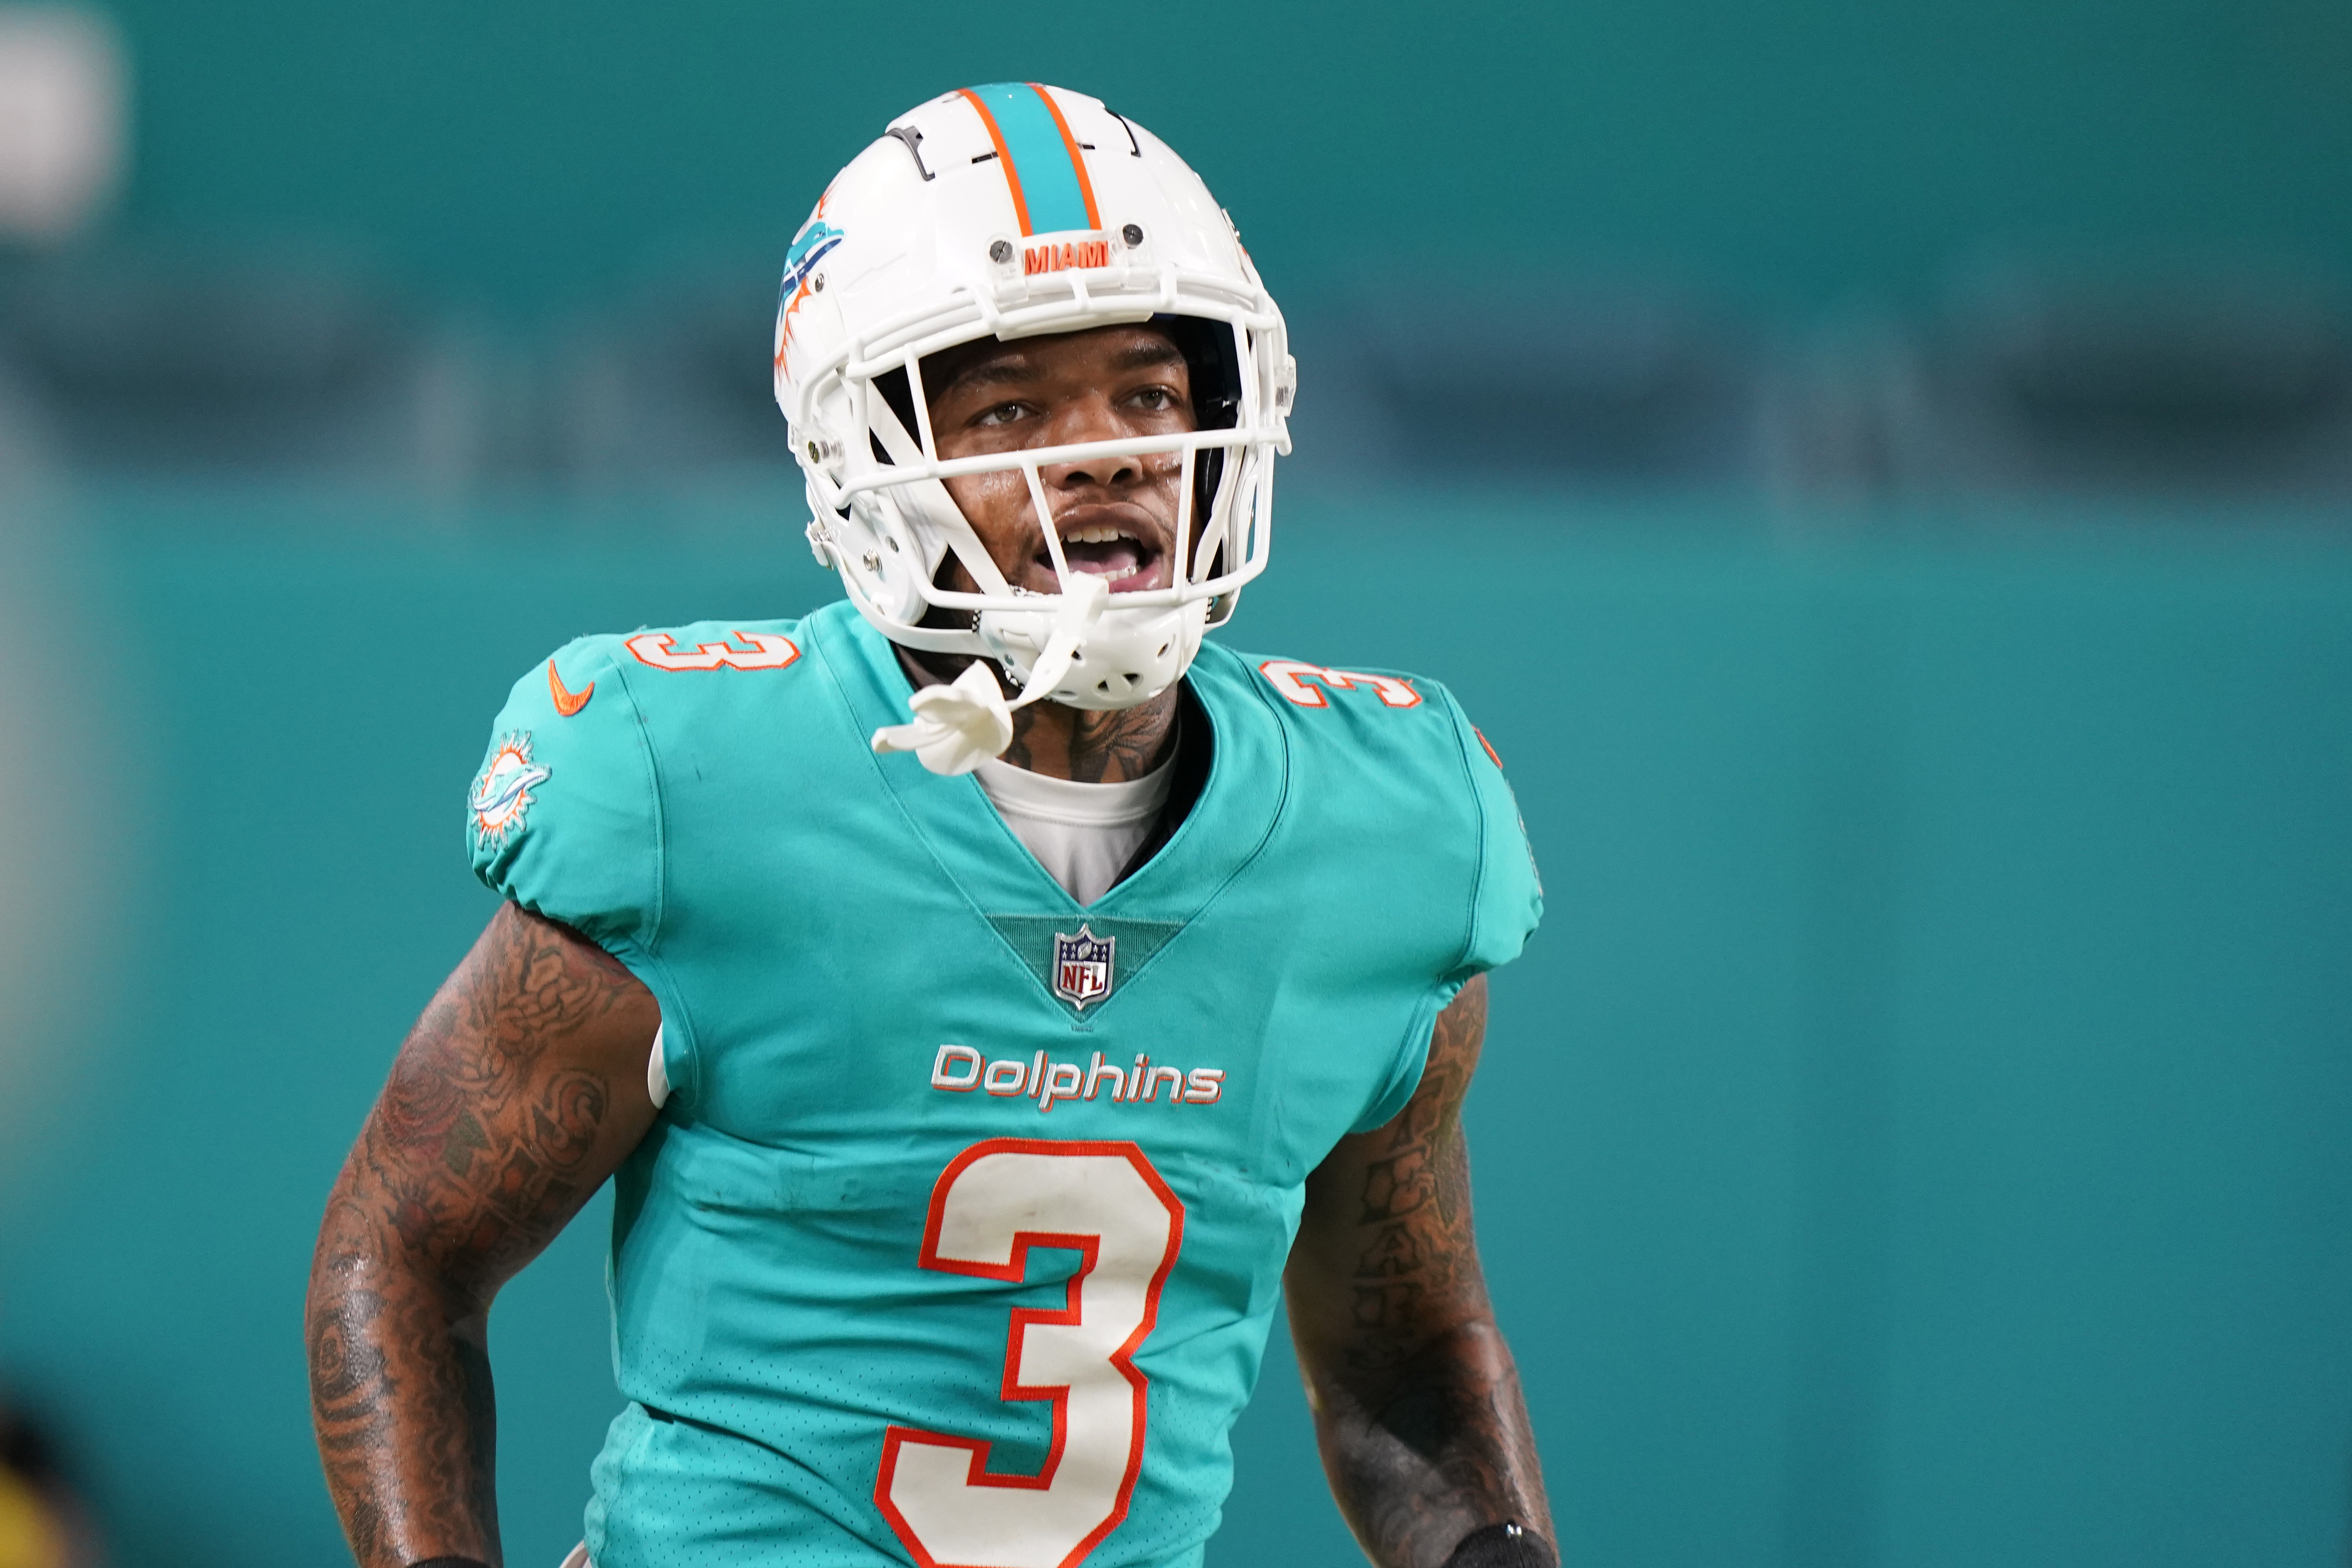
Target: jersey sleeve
<point>1505,898</point>
<point>564,817</point>
<point>1508,902</point>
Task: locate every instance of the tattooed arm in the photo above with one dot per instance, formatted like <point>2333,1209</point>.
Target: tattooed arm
<point>517,1093</point>
<point>1417,1404</point>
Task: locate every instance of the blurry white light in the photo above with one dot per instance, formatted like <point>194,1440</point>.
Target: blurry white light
<point>64,104</point>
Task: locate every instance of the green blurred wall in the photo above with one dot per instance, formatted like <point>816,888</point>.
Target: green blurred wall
<point>527,154</point>
<point>1918,1137</point>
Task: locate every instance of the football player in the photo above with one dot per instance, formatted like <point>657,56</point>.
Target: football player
<point>990,997</point>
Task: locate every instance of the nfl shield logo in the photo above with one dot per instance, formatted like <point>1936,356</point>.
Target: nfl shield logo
<point>1082,967</point>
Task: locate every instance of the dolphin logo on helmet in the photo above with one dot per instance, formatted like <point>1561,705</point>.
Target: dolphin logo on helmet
<point>938,235</point>
<point>814,242</point>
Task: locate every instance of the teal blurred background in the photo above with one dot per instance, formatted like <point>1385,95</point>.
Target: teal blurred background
<point>535,153</point>
<point>1917,619</point>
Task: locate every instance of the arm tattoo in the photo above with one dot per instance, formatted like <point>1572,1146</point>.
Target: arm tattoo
<point>515,1095</point>
<point>1417,1404</point>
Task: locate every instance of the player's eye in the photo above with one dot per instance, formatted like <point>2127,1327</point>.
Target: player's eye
<point>1156,399</point>
<point>1003,414</point>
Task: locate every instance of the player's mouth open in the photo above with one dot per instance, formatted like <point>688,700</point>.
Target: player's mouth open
<point>1112,553</point>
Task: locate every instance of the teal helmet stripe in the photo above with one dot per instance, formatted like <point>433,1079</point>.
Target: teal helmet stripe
<point>1050,188</point>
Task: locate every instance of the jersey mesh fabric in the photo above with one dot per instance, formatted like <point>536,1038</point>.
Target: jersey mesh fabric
<point>826,931</point>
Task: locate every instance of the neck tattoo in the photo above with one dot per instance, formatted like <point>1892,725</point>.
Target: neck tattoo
<point>1066,742</point>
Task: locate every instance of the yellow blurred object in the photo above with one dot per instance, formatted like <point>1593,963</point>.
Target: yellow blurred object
<point>30,1535</point>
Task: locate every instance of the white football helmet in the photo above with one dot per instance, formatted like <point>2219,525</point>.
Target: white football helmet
<point>1010,211</point>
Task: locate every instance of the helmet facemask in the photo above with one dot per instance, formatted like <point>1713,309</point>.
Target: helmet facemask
<point>1125,649</point>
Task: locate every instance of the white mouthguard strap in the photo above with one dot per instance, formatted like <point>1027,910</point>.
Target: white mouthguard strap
<point>958,724</point>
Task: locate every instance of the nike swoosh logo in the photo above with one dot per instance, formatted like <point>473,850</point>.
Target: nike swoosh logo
<point>567,702</point>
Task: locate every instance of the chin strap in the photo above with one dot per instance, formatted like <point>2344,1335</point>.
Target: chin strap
<point>959,725</point>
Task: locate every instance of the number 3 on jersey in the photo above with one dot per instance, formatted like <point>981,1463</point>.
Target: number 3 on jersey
<point>994,1202</point>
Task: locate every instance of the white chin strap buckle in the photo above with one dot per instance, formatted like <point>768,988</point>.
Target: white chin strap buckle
<point>958,725</point>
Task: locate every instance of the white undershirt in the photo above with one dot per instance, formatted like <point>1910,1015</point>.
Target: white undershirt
<point>1083,834</point>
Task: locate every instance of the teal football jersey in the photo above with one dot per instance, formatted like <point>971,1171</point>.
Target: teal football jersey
<point>959,1238</point>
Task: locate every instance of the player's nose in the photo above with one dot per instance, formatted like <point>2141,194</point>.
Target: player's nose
<point>1089,418</point>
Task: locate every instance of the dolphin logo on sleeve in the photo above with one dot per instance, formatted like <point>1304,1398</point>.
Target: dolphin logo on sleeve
<point>501,795</point>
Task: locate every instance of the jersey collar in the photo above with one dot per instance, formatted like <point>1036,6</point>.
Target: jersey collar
<point>1235,803</point>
